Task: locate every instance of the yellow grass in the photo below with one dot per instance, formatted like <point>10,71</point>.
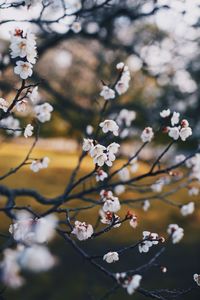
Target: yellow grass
<point>52,181</point>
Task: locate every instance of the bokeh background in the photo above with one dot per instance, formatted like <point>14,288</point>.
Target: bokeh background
<point>159,41</point>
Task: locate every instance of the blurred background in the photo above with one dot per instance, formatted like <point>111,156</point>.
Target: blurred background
<point>159,41</point>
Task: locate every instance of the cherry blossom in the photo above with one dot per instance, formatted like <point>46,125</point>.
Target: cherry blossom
<point>124,174</point>
<point>28,131</point>
<point>11,123</point>
<point>196,278</point>
<point>3,104</point>
<point>109,125</point>
<point>133,284</point>
<point>82,230</point>
<point>149,239</point>
<point>146,205</point>
<point>187,209</point>
<point>173,132</point>
<point>76,27</point>
<point>43,112</point>
<point>111,257</point>
<point>37,165</point>
<point>107,93</point>
<point>113,148</point>
<point>175,118</point>
<point>36,258</point>
<point>123,84</point>
<point>101,175</point>
<point>111,204</point>
<point>147,135</point>
<point>108,217</point>
<point>97,150</point>
<point>165,113</point>
<point>125,117</point>
<point>10,269</point>
<point>185,132</point>
<point>87,144</point>
<point>119,189</point>
<point>21,106</point>
<point>23,69</point>
<point>176,233</point>
<point>133,221</point>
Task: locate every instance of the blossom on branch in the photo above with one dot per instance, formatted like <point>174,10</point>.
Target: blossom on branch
<point>176,233</point>
<point>28,131</point>
<point>111,257</point>
<point>82,230</point>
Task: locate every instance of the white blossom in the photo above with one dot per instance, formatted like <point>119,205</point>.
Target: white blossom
<point>133,221</point>
<point>111,257</point>
<point>196,278</point>
<point>82,230</point>
<point>133,284</point>
<point>34,95</point>
<point>76,27</point>
<point>193,191</point>
<point>28,131</point>
<point>27,230</point>
<point>107,93</point>
<point>113,148</point>
<point>123,84</point>
<point>109,125</point>
<point>124,174</point>
<point>187,209</point>
<point>36,258</point>
<point>185,132</point>
<point>126,117</point>
<point>120,66</point>
<point>111,204</point>
<point>173,132</point>
<point>39,164</point>
<point>21,106</point>
<point>97,150</point>
<point>89,129</point>
<point>158,185</point>
<point>3,104</point>
<point>176,233</point>
<point>24,47</point>
<point>22,230</point>
<point>149,239</point>
<point>10,269</point>
<point>23,69</point>
<point>100,159</point>
<point>119,189</point>
<point>146,205</point>
<point>101,175</point>
<point>87,144</point>
<point>43,112</point>
<point>45,228</point>
<point>107,218</point>
<point>147,134</point>
<point>175,118</point>
<point>134,165</point>
<point>165,113</point>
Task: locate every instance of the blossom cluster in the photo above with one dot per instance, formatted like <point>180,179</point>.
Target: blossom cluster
<point>175,232</point>
<point>131,283</point>
<point>23,48</point>
<point>149,239</point>
<point>121,86</point>
<point>31,252</point>
<point>178,128</point>
<point>101,155</point>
